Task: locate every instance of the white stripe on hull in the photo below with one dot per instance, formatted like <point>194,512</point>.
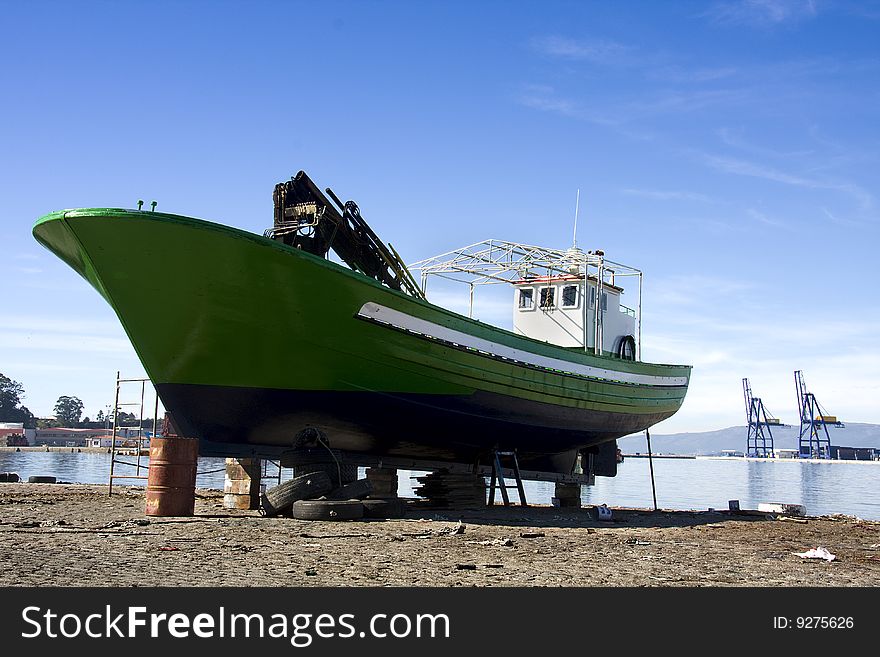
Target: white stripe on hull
<point>397,319</point>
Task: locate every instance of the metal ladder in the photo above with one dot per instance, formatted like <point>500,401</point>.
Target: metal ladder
<point>497,479</point>
<point>139,442</point>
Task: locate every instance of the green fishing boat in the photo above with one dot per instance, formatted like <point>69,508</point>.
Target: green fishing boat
<point>266,347</point>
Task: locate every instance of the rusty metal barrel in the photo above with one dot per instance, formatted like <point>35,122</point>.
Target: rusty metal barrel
<point>171,480</point>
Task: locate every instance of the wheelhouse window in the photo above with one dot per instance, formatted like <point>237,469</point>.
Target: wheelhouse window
<point>570,296</point>
<point>592,297</point>
<point>527,299</point>
<point>548,297</point>
<point>604,301</point>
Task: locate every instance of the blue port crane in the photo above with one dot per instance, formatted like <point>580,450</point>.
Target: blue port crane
<point>759,439</point>
<point>814,440</point>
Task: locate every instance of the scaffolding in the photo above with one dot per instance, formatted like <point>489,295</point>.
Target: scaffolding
<point>131,439</point>
<point>759,437</point>
<point>814,441</point>
<point>496,261</point>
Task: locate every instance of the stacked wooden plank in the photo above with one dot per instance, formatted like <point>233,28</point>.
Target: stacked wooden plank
<point>443,489</point>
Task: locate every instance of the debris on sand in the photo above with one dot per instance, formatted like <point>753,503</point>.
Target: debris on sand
<point>456,529</point>
<point>816,553</point>
<point>502,542</point>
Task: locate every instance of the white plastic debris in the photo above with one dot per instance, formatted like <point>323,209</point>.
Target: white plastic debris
<point>787,509</point>
<point>455,529</point>
<point>816,553</point>
<point>504,542</point>
<point>603,512</point>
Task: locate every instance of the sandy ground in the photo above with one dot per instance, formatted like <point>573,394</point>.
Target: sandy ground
<point>75,535</point>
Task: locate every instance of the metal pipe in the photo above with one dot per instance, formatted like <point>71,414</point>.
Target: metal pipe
<point>155,411</point>
<point>140,429</point>
<point>651,465</point>
<point>471,308</point>
<point>597,346</point>
<point>639,323</point>
<point>585,297</point>
<point>113,437</point>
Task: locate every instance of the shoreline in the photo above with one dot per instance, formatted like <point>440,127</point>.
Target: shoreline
<point>57,535</point>
<point>126,450</point>
<point>778,460</point>
<point>57,448</point>
<point>708,457</point>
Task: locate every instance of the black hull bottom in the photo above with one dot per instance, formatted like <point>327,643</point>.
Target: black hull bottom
<point>428,427</point>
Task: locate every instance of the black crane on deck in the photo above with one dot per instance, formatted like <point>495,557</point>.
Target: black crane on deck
<point>306,219</point>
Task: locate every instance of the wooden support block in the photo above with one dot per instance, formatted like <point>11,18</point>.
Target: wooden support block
<point>242,484</point>
<point>233,501</point>
<point>567,495</point>
<point>383,482</point>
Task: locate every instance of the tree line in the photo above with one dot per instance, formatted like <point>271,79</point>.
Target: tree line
<point>68,411</point>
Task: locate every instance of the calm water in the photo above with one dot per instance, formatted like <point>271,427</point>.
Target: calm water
<point>823,488</point>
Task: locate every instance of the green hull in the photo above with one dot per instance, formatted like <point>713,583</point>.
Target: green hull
<point>250,341</point>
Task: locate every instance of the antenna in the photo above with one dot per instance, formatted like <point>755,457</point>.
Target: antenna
<point>576,205</point>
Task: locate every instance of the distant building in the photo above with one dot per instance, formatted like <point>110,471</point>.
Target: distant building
<point>66,437</point>
<point>786,453</point>
<point>852,453</point>
<point>102,441</point>
<point>12,434</point>
<point>732,452</point>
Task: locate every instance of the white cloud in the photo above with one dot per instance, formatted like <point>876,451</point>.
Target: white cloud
<point>744,335</point>
<point>618,113</point>
<point>45,323</point>
<point>545,99</point>
<point>743,339</point>
<point>764,219</point>
<point>735,139</point>
<point>666,195</point>
<point>683,75</point>
<point>762,13</point>
<point>840,220</point>
<point>600,51</point>
<point>63,342</point>
<point>744,168</point>
<point>751,169</point>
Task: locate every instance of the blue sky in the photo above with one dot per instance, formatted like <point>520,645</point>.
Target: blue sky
<point>727,149</point>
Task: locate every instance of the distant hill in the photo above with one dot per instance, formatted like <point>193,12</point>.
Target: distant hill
<point>855,434</point>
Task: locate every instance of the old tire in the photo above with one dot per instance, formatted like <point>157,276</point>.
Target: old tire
<point>41,479</point>
<point>280,498</point>
<point>393,507</point>
<point>356,490</point>
<point>348,471</point>
<point>328,510</point>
